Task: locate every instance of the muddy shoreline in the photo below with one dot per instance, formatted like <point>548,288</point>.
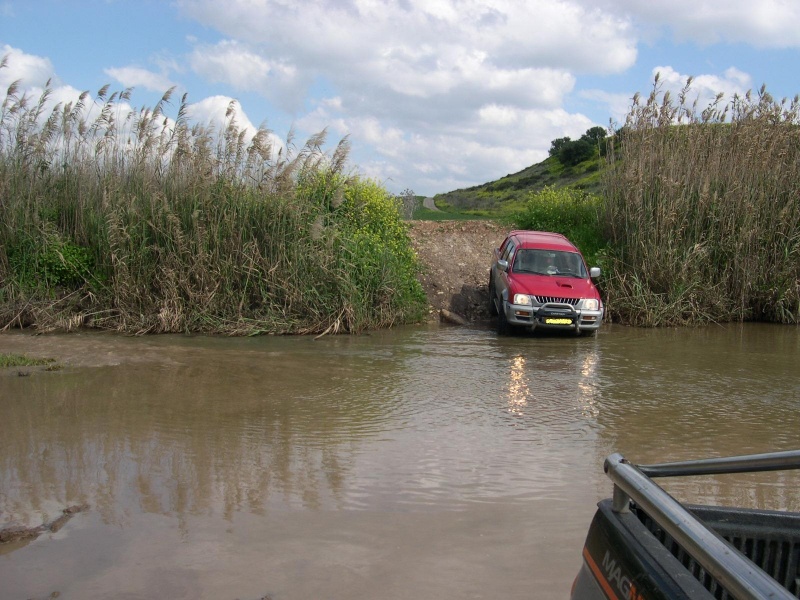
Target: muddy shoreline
<point>455,256</point>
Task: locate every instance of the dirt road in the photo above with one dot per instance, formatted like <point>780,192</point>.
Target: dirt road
<point>455,256</point>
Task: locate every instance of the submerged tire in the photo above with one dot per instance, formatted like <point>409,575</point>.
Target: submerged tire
<point>503,328</point>
<point>492,297</point>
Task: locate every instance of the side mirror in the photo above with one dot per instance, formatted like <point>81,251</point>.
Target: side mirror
<point>594,272</point>
<point>502,265</point>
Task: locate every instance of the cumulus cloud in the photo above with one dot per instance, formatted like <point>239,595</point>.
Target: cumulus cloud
<point>246,69</point>
<point>416,49</point>
<point>442,93</point>
<point>217,111</point>
<point>463,87</point>
<point>444,159</point>
<point>33,74</point>
<point>704,88</point>
<point>702,92</point>
<point>33,71</point>
<point>764,23</point>
<point>138,77</point>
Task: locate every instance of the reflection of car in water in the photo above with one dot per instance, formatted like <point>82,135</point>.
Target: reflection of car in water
<point>643,543</point>
<point>539,280</point>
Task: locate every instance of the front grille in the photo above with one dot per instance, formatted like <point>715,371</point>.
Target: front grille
<point>555,300</point>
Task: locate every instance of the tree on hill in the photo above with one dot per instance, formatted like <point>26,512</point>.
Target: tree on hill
<point>570,152</point>
<point>557,144</point>
<point>575,152</point>
<point>594,135</point>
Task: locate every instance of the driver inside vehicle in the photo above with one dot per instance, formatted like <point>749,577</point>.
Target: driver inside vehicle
<point>550,266</point>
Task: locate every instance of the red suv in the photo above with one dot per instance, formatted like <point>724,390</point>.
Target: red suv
<point>539,280</point>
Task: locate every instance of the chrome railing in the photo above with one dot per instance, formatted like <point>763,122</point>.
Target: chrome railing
<point>742,578</point>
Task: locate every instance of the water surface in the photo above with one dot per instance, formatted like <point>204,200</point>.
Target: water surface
<point>426,462</point>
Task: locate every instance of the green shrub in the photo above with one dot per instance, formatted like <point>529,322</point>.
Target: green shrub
<point>49,262</point>
<point>570,212</point>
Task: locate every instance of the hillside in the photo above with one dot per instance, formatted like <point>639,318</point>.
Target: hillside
<point>503,196</point>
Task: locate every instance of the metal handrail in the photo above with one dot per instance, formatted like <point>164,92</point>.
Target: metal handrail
<point>751,463</point>
<point>742,578</point>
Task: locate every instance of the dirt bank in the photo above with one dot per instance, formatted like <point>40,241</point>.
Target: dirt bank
<point>455,256</point>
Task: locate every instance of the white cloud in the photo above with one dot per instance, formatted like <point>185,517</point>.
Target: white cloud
<point>413,50</point>
<point>443,93</point>
<point>33,71</point>
<point>460,89</point>
<point>245,69</point>
<point>138,77</point>
<point>760,23</point>
<point>704,88</point>
<point>215,112</point>
<point>500,140</point>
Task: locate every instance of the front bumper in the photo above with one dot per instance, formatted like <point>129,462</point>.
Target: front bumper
<point>553,316</point>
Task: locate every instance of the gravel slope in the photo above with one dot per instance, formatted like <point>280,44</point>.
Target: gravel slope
<point>456,256</point>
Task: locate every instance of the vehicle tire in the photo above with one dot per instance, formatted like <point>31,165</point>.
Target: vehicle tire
<point>503,328</point>
<point>492,297</point>
<point>588,333</point>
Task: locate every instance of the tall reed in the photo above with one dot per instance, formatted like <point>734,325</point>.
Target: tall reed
<point>131,220</point>
<point>703,211</point>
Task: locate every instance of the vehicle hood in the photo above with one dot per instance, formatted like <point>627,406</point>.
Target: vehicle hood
<point>552,285</point>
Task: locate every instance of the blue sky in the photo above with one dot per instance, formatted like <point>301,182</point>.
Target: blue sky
<point>435,95</point>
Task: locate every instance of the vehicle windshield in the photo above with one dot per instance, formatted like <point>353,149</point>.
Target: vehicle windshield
<point>549,262</point>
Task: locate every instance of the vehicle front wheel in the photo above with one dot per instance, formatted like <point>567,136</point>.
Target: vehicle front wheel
<point>503,328</point>
<point>492,297</point>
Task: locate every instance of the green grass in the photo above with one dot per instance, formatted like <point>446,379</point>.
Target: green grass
<point>505,196</point>
<point>20,360</point>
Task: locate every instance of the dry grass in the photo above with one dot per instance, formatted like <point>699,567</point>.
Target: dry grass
<point>132,220</point>
<point>703,211</point>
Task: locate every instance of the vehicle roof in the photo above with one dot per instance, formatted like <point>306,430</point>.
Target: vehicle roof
<point>545,240</point>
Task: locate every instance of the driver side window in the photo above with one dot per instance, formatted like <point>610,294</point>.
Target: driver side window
<point>508,254</point>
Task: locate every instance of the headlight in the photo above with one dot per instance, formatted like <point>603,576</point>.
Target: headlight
<point>522,299</point>
<point>590,304</point>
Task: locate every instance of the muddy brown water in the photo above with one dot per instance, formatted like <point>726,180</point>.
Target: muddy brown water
<point>423,462</point>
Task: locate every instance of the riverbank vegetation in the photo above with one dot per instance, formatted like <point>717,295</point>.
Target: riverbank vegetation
<point>697,219</point>
<point>702,211</point>
<point>132,220</point>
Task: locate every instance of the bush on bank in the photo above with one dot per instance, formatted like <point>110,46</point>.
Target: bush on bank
<point>126,219</point>
<point>570,212</point>
<point>702,212</point>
